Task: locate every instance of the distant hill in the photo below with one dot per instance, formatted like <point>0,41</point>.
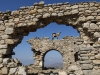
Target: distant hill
<point>55,65</point>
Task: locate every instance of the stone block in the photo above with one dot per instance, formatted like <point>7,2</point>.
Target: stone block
<point>85,62</point>
<point>2,42</point>
<point>86,66</point>
<point>5,36</point>
<point>86,25</point>
<point>90,18</point>
<point>75,11</point>
<point>87,72</point>
<point>46,15</point>
<point>2,27</point>
<point>6,60</point>
<point>12,70</point>
<point>97,56</point>
<point>3,46</point>
<point>84,58</point>
<point>96,62</point>
<point>9,30</point>
<point>93,26</point>
<point>62,73</point>
<point>9,41</point>
<point>4,70</point>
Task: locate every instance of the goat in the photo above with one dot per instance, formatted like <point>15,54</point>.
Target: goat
<point>55,35</point>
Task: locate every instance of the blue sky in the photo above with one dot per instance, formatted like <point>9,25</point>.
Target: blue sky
<point>23,51</point>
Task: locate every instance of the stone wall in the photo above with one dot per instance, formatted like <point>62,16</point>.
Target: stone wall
<point>84,16</point>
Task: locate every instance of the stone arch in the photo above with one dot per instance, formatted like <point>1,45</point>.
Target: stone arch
<point>49,51</point>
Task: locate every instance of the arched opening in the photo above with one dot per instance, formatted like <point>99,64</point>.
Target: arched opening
<point>23,51</point>
<point>52,60</point>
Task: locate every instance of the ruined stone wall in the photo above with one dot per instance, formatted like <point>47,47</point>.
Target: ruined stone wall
<point>85,17</point>
<point>88,56</point>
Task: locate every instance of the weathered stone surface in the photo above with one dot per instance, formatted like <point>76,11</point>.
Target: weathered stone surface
<point>93,26</point>
<point>74,11</point>
<point>2,27</point>
<point>3,46</point>
<point>12,65</point>
<point>5,36</point>
<point>1,65</point>
<point>12,70</point>
<point>4,70</point>
<point>2,42</point>
<point>46,15</point>
<point>62,73</point>
<point>6,60</point>
<point>97,34</point>
<point>85,62</point>
<point>96,62</point>
<point>21,70</point>
<point>9,30</point>
<point>9,41</point>
<point>97,56</point>
<point>86,25</point>
<point>86,66</point>
<point>84,17</point>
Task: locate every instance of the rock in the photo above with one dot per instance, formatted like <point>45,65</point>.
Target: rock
<point>2,42</point>
<point>9,30</point>
<point>40,10</point>
<point>93,26</point>
<point>74,11</point>
<point>86,66</point>
<point>96,62</point>
<point>54,14</point>
<point>33,11</point>
<point>35,19</point>
<point>21,71</point>
<point>82,19</point>
<point>9,41</point>
<point>4,36</point>
<point>4,70</point>
<point>9,25</point>
<point>2,27</point>
<point>16,61</point>
<point>16,19</point>
<point>51,9</point>
<point>4,51</point>
<point>46,15</point>
<point>85,62</point>
<point>97,56</point>
<point>60,14</point>
<point>95,72</point>
<point>87,72</point>
<point>96,34</point>
<point>62,73</point>
<point>6,60</point>
<point>12,64</point>
<point>42,3</point>
<point>15,12</point>
<point>76,69</point>
<point>90,18</point>
<point>3,46</point>
<point>12,70</point>
<point>98,17</point>
<point>86,25</point>
<point>74,7</point>
<point>1,60</point>
<point>1,65</point>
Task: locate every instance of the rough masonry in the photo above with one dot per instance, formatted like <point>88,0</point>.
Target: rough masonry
<point>84,17</point>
